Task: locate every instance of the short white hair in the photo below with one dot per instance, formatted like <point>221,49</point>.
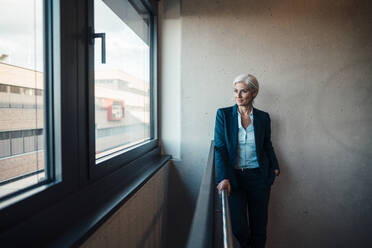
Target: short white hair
<point>249,80</point>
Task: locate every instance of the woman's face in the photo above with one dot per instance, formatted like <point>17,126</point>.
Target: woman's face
<point>243,96</point>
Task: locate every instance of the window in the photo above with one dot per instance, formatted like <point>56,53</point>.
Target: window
<point>122,83</point>
<point>3,88</point>
<point>52,94</point>
<point>28,140</point>
<point>14,101</point>
<point>15,89</point>
<point>29,92</point>
<point>22,66</point>
<point>38,92</point>
<point>120,115</point>
<point>4,144</point>
<point>4,96</point>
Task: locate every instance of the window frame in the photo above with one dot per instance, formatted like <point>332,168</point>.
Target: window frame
<point>109,163</point>
<point>19,205</point>
<point>34,216</point>
<point>51,59</point>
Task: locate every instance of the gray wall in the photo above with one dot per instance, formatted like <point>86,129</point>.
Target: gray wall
<point>140,221</point>
<point>314,62</point>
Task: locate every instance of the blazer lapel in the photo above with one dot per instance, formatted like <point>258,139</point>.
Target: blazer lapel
<point>234,131</point>
<point>257,125</point>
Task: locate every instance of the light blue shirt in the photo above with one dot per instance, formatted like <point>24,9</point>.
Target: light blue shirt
<point>246,153</point>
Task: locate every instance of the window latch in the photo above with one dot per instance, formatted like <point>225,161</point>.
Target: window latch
<point>102,36</point>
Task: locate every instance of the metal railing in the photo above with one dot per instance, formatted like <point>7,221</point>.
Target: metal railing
<point>226,222</point>
<point>205,229</point>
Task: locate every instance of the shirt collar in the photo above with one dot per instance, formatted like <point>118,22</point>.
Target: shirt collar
<point>240,118</point>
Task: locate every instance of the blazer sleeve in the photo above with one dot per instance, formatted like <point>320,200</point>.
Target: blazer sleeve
<point>269,147</point>
<point>220,149</point>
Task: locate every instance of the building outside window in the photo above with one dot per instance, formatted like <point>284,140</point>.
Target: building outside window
<point>22,162</point>
<point>122,84</point>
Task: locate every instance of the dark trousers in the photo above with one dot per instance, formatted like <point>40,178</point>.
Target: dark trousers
<point>252,195</point>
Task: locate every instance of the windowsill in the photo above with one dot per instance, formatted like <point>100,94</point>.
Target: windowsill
<point>73,219</point>
<point>104,156</point>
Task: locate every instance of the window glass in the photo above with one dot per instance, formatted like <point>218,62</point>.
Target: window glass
<point>21,79</point>
<point>122,84</point>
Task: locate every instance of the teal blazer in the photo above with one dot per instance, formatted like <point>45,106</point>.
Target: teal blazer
<point>226,141</point>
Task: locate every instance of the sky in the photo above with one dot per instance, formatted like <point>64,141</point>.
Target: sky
<point>21,32</point>
<point>21,37</point>
<point>125,50</point>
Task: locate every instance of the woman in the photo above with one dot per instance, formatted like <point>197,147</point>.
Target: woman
<point>245,162</point>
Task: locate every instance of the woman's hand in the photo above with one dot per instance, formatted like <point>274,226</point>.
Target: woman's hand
<point>224,184</point>
<point>276,172</point>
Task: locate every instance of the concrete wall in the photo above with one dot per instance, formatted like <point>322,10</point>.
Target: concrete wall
<point>314,62</point>
<point>140,222</point>
<point>184,180</point>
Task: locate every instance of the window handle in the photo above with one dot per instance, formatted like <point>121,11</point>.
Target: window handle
<point>102,36</point>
